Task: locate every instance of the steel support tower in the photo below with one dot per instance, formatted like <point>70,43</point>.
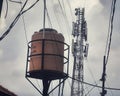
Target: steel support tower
<point>79,50</point>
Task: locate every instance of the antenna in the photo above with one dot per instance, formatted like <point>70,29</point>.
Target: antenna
<point>79,51</point>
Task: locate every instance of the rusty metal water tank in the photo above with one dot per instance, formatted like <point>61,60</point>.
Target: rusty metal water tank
<point>47,55</point>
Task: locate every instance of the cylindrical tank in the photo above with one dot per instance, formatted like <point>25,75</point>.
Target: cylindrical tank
<point>46,56</point>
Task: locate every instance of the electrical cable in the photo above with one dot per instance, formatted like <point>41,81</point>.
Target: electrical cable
<point>63,6</point>
<point>110,30</point>
<point>92,76</point>
<point>69,83</point>
<point>25,29</point>
<point>53,36</point>
<point>27,41</point>
<point>117,89</point>
<point>69,5</point>
<point>15,1</point>
<point>89,91</point>
<point>44,18</point>
<point>13,23</point>
<point>17,18</point>
<point>7,6</point>
<point>63,13</point>
<point>86,90</point>
<point>110,90</point>
<point>66,19</point>
<point>6,9</point>
<point>49,18</point>
<point>57,18</point>
<point>29,7</point>
<point>108,46</point>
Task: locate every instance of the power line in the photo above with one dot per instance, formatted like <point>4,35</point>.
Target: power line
<point>56,18</point>
<point>22,11</point>
<point>61,20</point>
<point>19,2</point>
<point>6,8</point>
<point>49,18</point>
<point>63,7</point>
<point>27,41</point>
<point>110,90</point>
<point>64,14</point>
<point>110,30</point>
<point>117,89</point>
<point>69,5</point>
<point>25,29</point>
<point>65,19</point>
<point>89,91</point>
<point>92,76</point>
<point>15,1</point>
<point>108,46</point>
<point>13,23</point>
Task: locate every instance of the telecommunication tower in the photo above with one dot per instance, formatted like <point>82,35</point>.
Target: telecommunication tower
<point>80,51</point>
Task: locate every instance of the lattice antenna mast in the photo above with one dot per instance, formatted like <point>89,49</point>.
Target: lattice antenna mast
<point>79,50</point>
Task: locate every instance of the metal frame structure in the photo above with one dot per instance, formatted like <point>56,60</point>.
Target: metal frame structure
<point>42,75</point>
<point>79,50</point>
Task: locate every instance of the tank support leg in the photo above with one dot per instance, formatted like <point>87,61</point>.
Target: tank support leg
<point>46,84</point>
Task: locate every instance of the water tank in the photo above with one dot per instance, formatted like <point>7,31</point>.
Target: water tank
<point>47,55</point>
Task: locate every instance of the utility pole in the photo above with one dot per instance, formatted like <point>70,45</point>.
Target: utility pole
<point>108,46</point>
<point>103,79</point>
<point>79,50</point>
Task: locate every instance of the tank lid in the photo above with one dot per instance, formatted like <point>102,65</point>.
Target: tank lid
<point>48,29</point>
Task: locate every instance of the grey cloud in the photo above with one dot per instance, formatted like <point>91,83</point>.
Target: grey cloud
<point>13,58</point>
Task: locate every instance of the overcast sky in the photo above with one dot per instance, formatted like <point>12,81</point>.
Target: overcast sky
<point>13,48</point>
